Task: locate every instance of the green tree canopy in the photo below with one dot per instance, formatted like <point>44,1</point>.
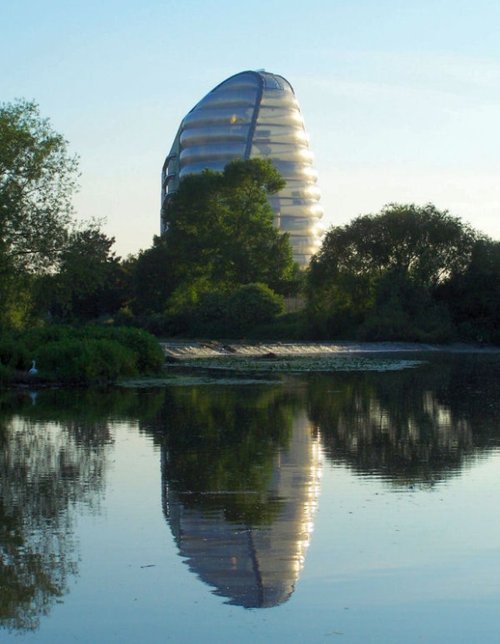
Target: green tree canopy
<point>422,242</point>
<point>219,228</point>
<point>152,277</point>
<point>473,296</point>
<point>90,280</point>
<point>37,179</point>
<point>377,276</point>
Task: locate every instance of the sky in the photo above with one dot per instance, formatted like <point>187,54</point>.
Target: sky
<point>401,100</point>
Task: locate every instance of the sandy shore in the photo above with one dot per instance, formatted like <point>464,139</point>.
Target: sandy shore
<point>211,348</point>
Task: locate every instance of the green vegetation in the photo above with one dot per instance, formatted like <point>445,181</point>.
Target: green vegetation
<point>85,355</point>
<point>407,273</point>
<point>222,269</point>
<point>89,282</point>
<point>221,265</point>
<point>37,178</point>
<point>217,439</point>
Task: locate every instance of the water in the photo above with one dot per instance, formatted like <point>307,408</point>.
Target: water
<point>358,506</point>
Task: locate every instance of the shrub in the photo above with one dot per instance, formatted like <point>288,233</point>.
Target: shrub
<point>221,314</point>
<point>148,353</point>
<point>82,354</point>
<point>253,304</point>
<point>13,353</point>
<point>85,361</point>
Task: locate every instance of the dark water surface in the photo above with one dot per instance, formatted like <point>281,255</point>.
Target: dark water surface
<point>350,506</point>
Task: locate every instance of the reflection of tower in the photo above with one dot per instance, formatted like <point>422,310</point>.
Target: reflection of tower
<point>253,565</point>
<point>253,114</point>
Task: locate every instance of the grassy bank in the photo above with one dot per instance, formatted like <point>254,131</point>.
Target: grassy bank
<point>78,355</point>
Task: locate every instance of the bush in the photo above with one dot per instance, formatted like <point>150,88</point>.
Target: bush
<point>218,313</point>
<point>82,354</point>
<point>13,353</point>
<point>253,304</point>
<point>85,361</point>
<point>148,353</point>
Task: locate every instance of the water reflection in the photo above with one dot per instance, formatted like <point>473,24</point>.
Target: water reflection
<point>240,467</point>
<point>240,483</point>
<point>52,466</point>
<point>412,427</point>
<point>245,532</point>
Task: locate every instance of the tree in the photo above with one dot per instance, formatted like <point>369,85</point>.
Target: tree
<point>219,314</point>
<point>219,228</point>
<point>380,272</point>
<point>473,296</point>
<point>422,242</point>
<point>152,278</point>
<point>90,279</point>
<point>37,179</point>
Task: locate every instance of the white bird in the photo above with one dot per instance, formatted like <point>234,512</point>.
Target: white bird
<point>33,371</point>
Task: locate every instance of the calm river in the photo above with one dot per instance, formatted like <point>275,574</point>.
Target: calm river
<point>353,506</point>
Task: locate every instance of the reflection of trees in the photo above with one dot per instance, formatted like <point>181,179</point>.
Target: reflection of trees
<point>224,438</point>
<point>240,469</point>
<point>52,459</point>
<point>42,472</point>
<point>415,425</point>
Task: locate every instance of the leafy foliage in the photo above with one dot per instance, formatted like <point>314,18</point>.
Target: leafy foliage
<point>37,179</point>
<point>90,281</point>
<point>219,228</point>
<point>85,360</point>
<point>152,278</point>
<point>473,296</point>
<point>378,278</point>
<point>84,355</point>
<point>235,313</point>
<point>421,242</point>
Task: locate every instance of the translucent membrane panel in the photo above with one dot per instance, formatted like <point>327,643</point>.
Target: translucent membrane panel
<point>303,244</point>
<point>286,115</point>
<point>196,168</point>
<point>280,135</point>
<point>296,171</point>
<point>283,138</point>
<point>220,150</point>
<point>282,151</point>
<point>279,99</point>
<point>297,225</point>
<point>297,190</point>
<point>243,79</point>
<point>228,98</point>
<point>311,210</point>
<point>240,115</point>
<point>288,119</point>
<point>214,133</point>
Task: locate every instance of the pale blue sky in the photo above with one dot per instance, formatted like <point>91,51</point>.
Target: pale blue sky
<point>401,99</point>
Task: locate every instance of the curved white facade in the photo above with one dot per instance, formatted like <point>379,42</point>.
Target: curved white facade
<point>253,114</point>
